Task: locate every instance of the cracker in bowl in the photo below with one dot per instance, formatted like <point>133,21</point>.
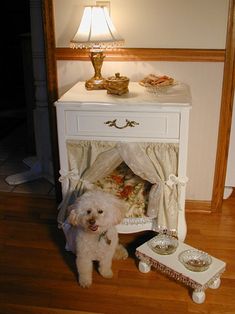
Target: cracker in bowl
<point>156,80</point>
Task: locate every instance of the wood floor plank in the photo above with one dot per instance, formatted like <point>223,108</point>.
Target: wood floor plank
<point>22,309</point>
<point>37,275</point>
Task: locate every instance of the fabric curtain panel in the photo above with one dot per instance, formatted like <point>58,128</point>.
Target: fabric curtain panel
<point>155,162</point>
<point>90,161</point>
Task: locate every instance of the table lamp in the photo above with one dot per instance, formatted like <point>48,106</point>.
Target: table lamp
<point>97,32</point>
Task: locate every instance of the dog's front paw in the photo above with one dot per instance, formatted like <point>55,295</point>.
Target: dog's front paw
<point>120,252</point>
<point>84,282</point>
<point>106,273</point>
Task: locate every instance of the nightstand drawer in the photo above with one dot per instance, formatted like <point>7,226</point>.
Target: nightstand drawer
<point>122,124</point>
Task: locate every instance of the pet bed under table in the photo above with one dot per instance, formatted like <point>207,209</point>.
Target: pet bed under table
<point>143,174</point>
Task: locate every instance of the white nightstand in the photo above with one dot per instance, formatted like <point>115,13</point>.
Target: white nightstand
<point>137,116</point>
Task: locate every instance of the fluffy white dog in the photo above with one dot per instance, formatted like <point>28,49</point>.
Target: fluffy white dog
<point>95,215</point>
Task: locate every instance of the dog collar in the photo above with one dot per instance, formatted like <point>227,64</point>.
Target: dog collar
<point>104,236</point>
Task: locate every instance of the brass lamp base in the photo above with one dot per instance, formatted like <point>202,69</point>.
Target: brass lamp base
<point>97,81</point>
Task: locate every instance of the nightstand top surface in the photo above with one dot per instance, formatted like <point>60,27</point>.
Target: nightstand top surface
<point>177,95</point>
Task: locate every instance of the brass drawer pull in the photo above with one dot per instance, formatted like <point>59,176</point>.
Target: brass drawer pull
<point>131,124</point>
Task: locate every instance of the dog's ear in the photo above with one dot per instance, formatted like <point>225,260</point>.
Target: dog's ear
<point>73,217</point>
<point>74,213</point>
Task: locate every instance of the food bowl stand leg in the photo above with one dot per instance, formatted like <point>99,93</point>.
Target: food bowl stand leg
<point>144,267</point>
<point>198,296</point>
<point>215,284</point>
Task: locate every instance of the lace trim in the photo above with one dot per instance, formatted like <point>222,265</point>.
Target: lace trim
<point>137,221</point>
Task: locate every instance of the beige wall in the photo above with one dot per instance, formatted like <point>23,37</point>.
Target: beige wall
<point>153,23</point>
<point>205,79</point>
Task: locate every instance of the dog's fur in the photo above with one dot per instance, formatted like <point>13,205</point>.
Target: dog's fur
<point>95,214</point>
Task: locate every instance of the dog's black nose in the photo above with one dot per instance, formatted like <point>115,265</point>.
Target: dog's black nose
<point>92,221</point>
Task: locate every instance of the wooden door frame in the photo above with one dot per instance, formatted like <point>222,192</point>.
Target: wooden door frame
<point>226,110</point>
<point>139,54</point>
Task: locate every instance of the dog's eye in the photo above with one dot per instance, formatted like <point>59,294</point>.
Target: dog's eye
<point>100,211</point>
<point>88,211</point>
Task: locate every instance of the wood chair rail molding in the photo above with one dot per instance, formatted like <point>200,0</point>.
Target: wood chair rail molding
<point>146,54</point>
<point>150,54</point>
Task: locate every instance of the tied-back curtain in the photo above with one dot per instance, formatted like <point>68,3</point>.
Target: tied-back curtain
<point>155,162</point>
<point>101,158</point>
<point>165,160</point>
<point>90,161</point>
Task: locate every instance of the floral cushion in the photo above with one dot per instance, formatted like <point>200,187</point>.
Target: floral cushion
<point>123,183</point>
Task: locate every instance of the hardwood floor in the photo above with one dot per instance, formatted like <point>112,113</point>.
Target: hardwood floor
<point>39,277</point>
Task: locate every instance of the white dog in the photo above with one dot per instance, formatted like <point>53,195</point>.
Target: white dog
<point>95,215</point>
